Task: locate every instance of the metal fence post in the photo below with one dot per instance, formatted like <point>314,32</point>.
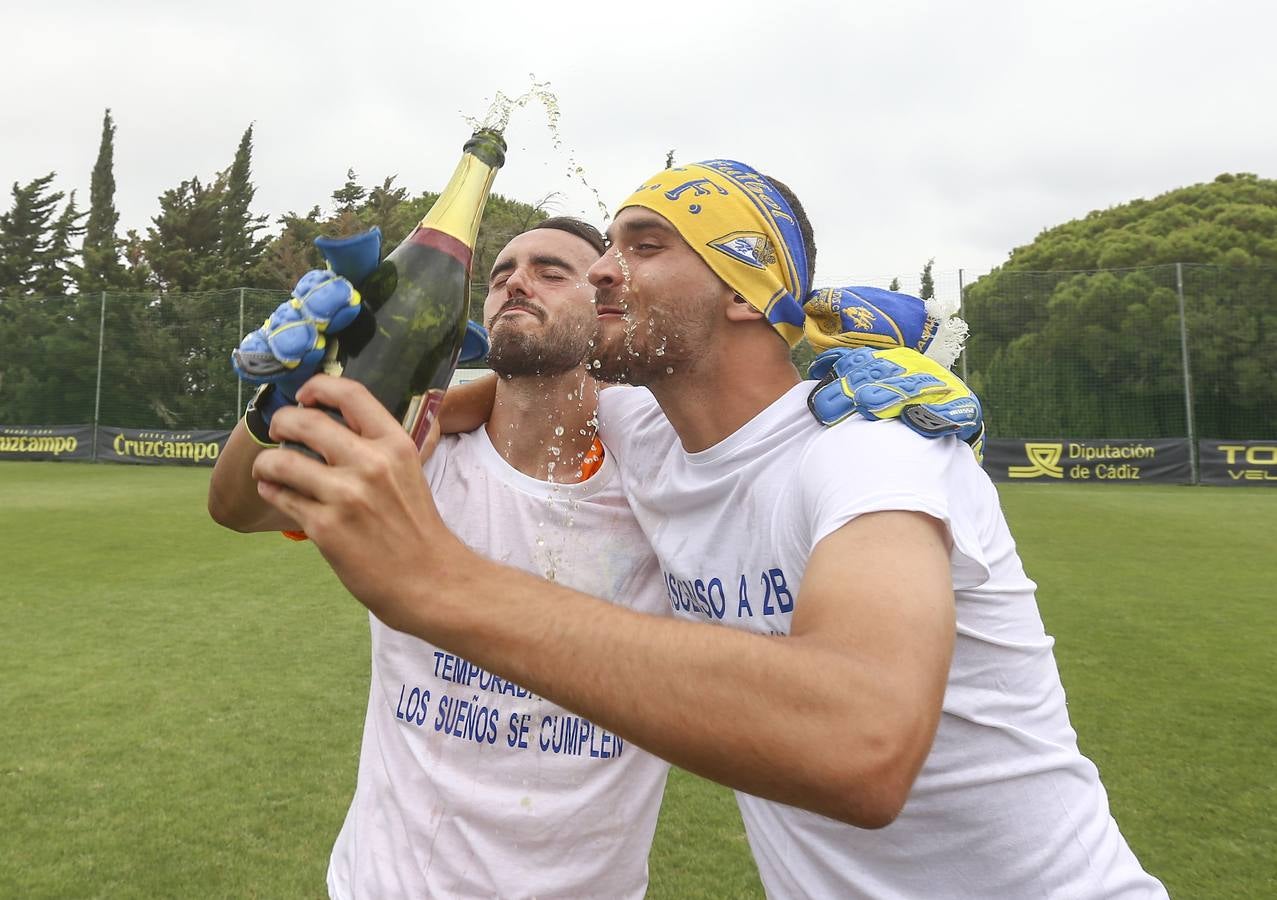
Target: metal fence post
<point>1188,380</point>
<point>97,398</point>
<point>962,297</point>
<point>239,385</point>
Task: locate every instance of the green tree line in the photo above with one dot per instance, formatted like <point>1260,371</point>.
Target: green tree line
<point>174,292</point>
<point>1079,333</point>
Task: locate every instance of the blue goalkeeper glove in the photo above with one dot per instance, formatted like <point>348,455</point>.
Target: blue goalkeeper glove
<point>291,345</point>
<point>895,383</point>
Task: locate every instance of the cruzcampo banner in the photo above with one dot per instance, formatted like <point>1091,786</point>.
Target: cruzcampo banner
<point>1245,463</point>
<point>166,448</point>
<point>46,442</point>
<point>1051,460</point>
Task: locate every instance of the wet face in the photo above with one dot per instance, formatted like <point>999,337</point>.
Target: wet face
<point>539,310</point>
<point>656,301</point>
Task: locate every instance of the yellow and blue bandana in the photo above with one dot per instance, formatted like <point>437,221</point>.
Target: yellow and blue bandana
<point>743,229</point>
<point>859,316</point>
<point>867,317</point>
<point>747,233</point>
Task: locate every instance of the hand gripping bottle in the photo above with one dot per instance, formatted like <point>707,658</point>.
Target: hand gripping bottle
<point>419,299</point>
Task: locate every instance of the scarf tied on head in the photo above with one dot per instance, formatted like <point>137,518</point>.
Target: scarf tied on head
<point>748,234</point>
<point>743,229</point>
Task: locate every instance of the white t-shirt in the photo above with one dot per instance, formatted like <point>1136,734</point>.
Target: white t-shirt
<point>470,786</point>
<point>1005,806</point>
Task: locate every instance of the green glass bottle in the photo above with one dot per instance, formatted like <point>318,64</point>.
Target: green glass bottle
<point>405,353</point>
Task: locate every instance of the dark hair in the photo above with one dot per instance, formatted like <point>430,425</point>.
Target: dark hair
<point>577,227</point>
<point>804,225</point>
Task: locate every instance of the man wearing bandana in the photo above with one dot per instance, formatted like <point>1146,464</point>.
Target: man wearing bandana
<point>856,648</point>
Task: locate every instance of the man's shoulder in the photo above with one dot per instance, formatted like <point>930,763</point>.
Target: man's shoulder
<point>453,449</point>
<point>632,425</point>
<point>627,400</point>
<point>859,438</point>
<point>862,458</point>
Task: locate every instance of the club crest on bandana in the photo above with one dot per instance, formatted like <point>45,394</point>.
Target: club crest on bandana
<point>851,318</point>
<point>858,317</point>
<point>749,247</point>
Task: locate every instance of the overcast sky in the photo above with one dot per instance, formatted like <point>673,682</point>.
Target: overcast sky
<point>909,129</point>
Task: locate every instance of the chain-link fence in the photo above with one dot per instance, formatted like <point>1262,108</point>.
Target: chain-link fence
<point>1163,351</point>
<point>1176,350</point>
<point>132,360</point>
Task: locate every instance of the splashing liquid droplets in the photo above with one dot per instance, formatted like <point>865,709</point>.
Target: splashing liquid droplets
<point>498,115</point>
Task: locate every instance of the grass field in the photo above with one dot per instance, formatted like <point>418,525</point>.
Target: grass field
<point>181,705</point>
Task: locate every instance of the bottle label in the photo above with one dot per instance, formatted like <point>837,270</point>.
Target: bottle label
<point>421,415</point>
<point>427,236</point>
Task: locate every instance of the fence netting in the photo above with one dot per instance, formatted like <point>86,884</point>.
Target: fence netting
<point>1096,354</point>
<point>164,362</point>
<point>1107,354</point>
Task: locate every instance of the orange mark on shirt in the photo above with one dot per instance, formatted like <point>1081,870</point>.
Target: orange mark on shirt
<point>593,460</point>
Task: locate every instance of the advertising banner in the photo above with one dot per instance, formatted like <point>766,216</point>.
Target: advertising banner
<point>46,442</point>
<point>1244,463</point>
<point>1117,461</point>
<point>167,448</point>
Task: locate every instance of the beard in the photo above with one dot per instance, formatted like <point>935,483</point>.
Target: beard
<point>560,347</point>
<point>646,351</point>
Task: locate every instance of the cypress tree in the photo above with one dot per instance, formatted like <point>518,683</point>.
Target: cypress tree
<point>101,269</point>
<point>241,250</point>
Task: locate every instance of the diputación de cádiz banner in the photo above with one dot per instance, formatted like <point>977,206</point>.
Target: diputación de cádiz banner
<point>46,442</point>
<point>1247,463</point>
<point>1116,461</point>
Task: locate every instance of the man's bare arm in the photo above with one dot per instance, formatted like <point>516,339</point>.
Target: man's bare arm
<point>233,500</point>
<point>836,718</point>
<point>468,406</point>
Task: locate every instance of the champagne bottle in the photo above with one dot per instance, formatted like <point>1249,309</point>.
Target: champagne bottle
<point>419,297</point>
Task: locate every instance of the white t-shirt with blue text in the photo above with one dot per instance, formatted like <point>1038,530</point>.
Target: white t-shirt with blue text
<point>469,785</point>
<point>1005,805</point>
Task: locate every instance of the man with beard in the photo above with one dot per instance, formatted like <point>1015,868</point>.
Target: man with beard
<point>858,650</point>
<point>469,785</point>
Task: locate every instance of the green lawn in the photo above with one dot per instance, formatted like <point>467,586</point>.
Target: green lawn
<point>182,705</point>
<point>1163,602</point>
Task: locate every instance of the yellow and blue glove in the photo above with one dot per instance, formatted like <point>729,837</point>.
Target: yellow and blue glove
<point>895,383</point>
<point>291,345</point>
